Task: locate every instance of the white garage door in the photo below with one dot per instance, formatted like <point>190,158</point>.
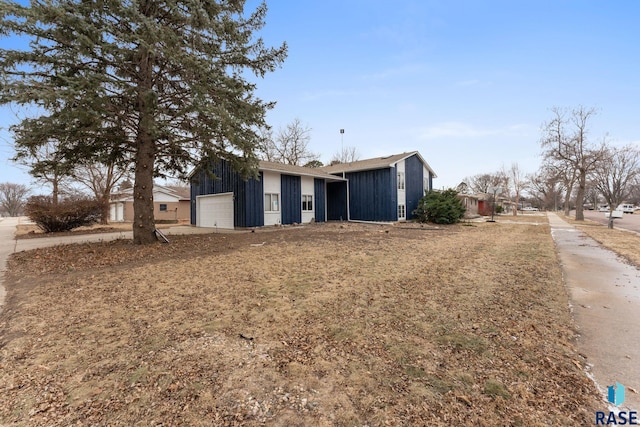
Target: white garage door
<point>215,210</point>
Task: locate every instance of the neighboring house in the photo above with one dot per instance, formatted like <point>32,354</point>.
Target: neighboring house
<point>486,204</point>
<point>169,204</point>
<point>282,194</point>
<point>471,204</point>
<point>380,189</point>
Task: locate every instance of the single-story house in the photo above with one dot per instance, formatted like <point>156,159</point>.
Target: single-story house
<point>282,194</point>
<point>380,189</point>
<point>170,203</point>
<point>486,204</point>
<point>471,204</point>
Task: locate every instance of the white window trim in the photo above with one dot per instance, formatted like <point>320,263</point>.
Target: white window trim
<point>401,183</point>
<point>306,199</point>
<point>270,207</point>
<point>402,209</point>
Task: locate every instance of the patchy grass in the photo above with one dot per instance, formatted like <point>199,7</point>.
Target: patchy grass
<point>322,325</point>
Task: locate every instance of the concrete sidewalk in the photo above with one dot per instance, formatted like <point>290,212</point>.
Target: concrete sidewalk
<point>605,296</point>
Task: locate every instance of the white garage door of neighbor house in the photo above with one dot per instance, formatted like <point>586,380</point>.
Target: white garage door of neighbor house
<point>215,210</point>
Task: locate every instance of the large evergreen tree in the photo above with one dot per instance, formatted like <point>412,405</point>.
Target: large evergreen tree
<point>161,83</point>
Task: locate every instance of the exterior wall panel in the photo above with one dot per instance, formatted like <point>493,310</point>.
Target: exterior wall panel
<point>319,199</point>
<point>227,180</point>
<point>373,195</point>
<point>291,199</point>
<point>414,180</point>
<point>254,203</point>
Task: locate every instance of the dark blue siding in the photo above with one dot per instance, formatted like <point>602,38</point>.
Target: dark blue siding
<point>254,203</point>
<point>373,195</point>
<point>413,173</point>
<point>337,201</point>
<point>247,195</point>
<point>291,194</point>
<point>319,199</point>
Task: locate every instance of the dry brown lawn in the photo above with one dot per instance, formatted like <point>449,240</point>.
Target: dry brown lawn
<point>344,325</point>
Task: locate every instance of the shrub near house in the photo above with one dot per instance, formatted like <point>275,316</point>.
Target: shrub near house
<point>440,207</point>
<point>65,215</point>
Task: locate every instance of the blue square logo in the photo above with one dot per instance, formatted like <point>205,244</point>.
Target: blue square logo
<point>615,393</point>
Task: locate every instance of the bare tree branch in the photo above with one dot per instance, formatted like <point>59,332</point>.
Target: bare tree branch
<point>616,174</point>
<point>290,145</point>
<point>13,198</point>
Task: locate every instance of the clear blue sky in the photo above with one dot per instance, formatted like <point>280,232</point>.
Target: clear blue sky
<point>466,83</point>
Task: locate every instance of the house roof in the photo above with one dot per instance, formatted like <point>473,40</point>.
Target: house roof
<point>182,193</point>
<point>296,170</point>
<point>375,163</point>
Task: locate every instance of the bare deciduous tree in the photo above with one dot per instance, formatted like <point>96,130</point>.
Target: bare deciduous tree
<point>47,166</point>
<point>518,183</point>
<point>565,142</point>
<point>12,198</point>
<point>484,182</point>
<point>616,174</point>
<point>290,145</point>
<point>345,155</point>
<point>564,179</point>
<point>100,179</point>
<point>545,189</point>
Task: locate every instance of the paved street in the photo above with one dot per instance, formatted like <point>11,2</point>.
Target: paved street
<point>629,222</point>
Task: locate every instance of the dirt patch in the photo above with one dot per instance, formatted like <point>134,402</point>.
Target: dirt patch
<point>319,325</point>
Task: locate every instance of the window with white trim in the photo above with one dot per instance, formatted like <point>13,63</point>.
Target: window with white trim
<point>307,202</point>
<point>271,202</point>
<point>402,212</point>
<point>400,180</point>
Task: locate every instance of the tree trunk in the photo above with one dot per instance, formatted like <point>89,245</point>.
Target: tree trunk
<point>567,202</point>
<point>104,215</point>
<point>582,184</point>
<point>54,194</point>
<point>610,223</point>
<point>143,222</point>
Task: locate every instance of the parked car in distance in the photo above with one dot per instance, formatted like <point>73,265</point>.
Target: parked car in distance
<point>603,208</point>
<point>529,208</point>
<point>625,207</point>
